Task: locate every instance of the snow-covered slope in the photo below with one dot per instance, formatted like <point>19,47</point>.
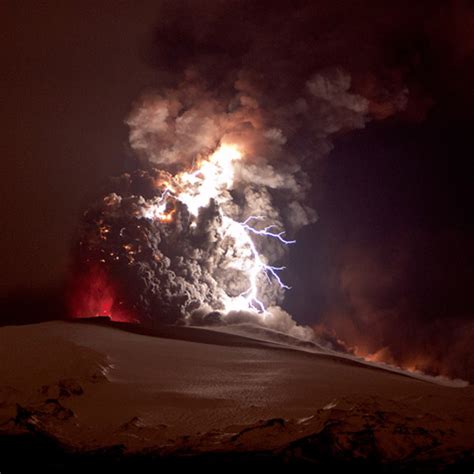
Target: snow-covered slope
<point>201,390</point>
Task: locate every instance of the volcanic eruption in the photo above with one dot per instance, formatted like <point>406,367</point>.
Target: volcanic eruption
<point>199,232</point>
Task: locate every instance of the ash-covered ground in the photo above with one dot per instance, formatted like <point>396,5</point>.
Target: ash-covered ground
<point>83,395</point>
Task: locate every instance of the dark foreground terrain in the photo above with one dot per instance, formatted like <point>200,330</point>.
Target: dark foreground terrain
<point>75,397</point>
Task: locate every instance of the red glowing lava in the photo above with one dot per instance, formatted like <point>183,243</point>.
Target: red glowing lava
<point>94,295</point>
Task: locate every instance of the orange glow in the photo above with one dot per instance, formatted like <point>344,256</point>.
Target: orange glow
<point>94,295</point>
<point>210,178</point>
<point>168,216</point>
<point>418,363</point>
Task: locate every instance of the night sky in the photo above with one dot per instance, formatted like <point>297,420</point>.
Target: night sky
<point>388,267</point>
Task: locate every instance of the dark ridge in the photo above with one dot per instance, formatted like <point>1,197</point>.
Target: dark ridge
<point>33,452</point>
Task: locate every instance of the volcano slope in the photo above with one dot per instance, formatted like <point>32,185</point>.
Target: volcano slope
<point>75,395</point>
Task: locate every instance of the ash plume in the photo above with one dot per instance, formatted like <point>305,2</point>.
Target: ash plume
<point>199,232</point>
<point>175,247</point>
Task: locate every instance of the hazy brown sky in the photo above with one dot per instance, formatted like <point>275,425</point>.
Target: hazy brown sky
<point>70,71</point>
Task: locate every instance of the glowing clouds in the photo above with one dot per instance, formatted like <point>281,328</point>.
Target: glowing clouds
<point>212,177</point>
<point>95,295</point>
<point>201,228</point>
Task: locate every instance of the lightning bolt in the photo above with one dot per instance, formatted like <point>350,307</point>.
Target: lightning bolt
<point>207,182</point>
<point>266,231</point>
<point>241,231</point>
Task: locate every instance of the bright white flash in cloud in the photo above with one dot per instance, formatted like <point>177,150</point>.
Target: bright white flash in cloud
<point>211,178</point>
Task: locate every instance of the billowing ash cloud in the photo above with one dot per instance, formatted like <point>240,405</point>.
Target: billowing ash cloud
<point>200,232</point>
